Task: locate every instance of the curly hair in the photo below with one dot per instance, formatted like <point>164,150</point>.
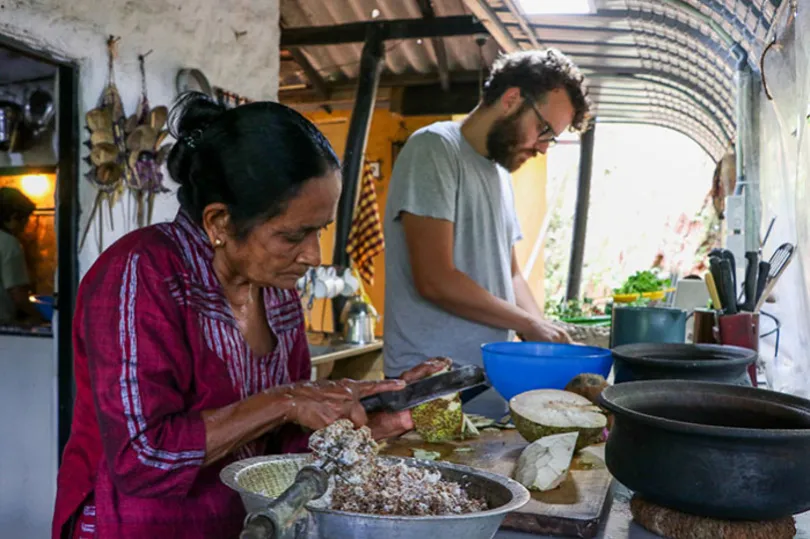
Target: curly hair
<point>536,73</point>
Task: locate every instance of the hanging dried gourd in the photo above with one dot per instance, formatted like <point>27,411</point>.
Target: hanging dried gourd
<point>107,158</point>
<point>146,153</point>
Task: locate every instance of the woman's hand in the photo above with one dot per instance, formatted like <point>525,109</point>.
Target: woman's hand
<point>315,405</point>
<point>388,425</point>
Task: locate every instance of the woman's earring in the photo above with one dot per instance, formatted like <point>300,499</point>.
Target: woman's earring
<point>218,243</point>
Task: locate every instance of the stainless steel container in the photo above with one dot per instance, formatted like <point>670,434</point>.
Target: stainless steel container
<point>359,320</point>
<point>11,115</point>
<point>273,474</point>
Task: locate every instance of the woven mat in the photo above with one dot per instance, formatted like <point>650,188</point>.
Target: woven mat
<point>673,524</point>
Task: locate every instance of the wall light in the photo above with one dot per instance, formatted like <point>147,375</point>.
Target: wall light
<point>35,186</point>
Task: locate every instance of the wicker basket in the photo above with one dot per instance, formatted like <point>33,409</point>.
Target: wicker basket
<point>272,477</point>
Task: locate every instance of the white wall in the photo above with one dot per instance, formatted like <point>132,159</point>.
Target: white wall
<point>784,145</point>
<point>181,33</point>
<point>28,436</point>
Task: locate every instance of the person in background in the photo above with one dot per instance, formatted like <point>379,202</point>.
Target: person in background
<point>453,281</point>
<point>15,290</point>
<point>190,347</point>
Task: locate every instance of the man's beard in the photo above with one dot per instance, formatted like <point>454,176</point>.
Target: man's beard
<point>503,142</point>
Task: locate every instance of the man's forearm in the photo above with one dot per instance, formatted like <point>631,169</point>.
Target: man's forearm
<point>524,296</point>
<point>461,296</point>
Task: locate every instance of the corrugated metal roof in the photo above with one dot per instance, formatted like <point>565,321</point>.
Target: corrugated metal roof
<point>662,62</point>
<point>341,62</point>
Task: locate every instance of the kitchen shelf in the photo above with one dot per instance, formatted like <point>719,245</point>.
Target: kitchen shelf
<point>20,171</point>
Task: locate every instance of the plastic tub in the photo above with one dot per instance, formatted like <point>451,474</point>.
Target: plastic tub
<point>44,304</point>
<point>517,367</point>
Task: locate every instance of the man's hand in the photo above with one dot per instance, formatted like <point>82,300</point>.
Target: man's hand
<point>428,368</point>
<point>388,425</point>
<point>544,331</point>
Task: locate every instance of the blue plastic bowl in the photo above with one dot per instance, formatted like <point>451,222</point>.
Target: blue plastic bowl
<point>516,367</point>
<point>44,304</point>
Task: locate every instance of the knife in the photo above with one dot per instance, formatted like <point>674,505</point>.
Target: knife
<point>425,390</point>
<point>711,285</point>
<point>728,255</point>
<point>750,284</point>
<point>728,299</point>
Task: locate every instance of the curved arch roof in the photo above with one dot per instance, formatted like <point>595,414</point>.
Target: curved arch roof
<point>660,62</point>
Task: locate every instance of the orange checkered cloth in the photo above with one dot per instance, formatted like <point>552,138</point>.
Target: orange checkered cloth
<point>366,236</point>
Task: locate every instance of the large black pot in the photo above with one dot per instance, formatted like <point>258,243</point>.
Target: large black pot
<point>709,449</point>
<point>669,361</point>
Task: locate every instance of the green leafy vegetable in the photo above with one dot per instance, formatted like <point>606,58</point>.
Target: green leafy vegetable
<point>641,282</point>
<point>562,309</point>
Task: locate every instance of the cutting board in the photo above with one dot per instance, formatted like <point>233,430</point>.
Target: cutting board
<point>575,509</point>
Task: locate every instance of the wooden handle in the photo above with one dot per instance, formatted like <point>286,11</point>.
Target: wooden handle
<point>765,293</point>
<point>712,287</point>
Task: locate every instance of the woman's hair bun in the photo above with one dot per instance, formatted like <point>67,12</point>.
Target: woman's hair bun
<point>191,113</point>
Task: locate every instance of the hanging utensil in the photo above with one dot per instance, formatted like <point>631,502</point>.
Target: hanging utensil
<point>11,116</point>
<point>131,124</point>
<point>104,153</point>
<point>142,139</point>
<point>39,110</point>
<point>158,117</point>
<point>99,119</point>
<point>107,173</point>
<point>767,234</point>
<point>161,138</point>
<point>145,156</point>
<point>750,284</point>
<point>779,261</point>
<point>101,137</point>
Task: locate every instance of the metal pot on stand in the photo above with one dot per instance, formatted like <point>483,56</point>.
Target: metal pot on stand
<point>359,320</point>
<point>11,119</point>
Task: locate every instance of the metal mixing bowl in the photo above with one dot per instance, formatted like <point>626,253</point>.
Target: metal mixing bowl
<point>259,480</point>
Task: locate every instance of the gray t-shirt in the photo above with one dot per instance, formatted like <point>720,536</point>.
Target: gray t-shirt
<point>13,273</point>
<point>438,174</point>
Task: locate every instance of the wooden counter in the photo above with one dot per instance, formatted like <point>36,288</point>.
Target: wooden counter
<point>334,358</point>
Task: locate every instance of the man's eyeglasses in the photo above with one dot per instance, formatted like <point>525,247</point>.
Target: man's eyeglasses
<point>546,133</point>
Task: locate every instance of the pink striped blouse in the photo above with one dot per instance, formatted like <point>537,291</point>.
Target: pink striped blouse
<point>155,344</point>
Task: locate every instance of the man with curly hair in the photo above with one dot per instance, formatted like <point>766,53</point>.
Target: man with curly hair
<point>452,278</point>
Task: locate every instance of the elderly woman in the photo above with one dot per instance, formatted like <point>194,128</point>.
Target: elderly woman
<point>189,338</point>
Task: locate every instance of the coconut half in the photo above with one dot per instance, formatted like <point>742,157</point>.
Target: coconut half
<point>544,463</point>
<point>545,412</point>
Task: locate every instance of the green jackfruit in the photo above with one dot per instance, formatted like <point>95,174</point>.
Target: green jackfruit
<point>439,420</point>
